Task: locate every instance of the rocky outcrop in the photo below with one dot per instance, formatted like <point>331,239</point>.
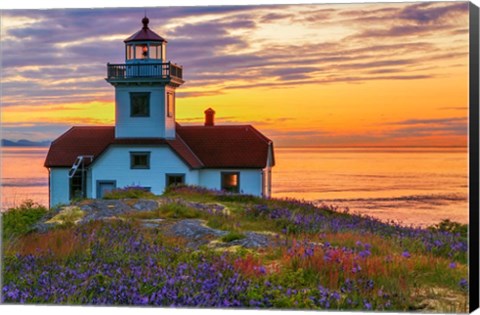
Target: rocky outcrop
<point>194,231</point>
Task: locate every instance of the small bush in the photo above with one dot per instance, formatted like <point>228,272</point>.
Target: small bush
<point>450,226</point>
<point>178,211</point>
<point>221,223</point>
<point>232,236</point>
<point>129,192</point>
<point>239,198</point>
<point>20,220</point>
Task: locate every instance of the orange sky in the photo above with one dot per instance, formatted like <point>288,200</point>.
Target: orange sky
<point>324,75</point>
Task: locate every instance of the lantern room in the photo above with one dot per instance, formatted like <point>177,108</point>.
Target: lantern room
<point>145,46</point>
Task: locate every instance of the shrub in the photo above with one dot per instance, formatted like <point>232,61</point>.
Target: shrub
<point>232,197</point>
<point>129,192</point>
<point>20,220</point>
<point>232,236</point>
<point>450,226</point>
<point>177,211</point>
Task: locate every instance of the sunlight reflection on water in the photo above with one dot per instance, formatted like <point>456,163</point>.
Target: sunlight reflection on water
<point>411,185</point>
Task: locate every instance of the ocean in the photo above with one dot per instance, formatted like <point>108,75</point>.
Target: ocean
<point>419,186</point>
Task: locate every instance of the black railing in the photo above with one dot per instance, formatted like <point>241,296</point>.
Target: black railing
<point>147,70</point>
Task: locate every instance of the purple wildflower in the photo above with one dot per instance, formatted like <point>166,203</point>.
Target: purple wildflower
<point>364,253</point>
<point>367,305</point>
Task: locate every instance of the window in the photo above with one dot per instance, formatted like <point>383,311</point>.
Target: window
<point>231,181</point>
<point>130,52</point>
<point>140,160</point>
<point>155,51</point>
<point>170,103</point>
<point>77,185</point>
<point>139,104</point>
<point>175,179</point>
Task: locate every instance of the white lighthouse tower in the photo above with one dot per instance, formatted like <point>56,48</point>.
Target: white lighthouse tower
<point>145,87</point>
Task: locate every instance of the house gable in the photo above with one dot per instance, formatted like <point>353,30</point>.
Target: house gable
<point>115,164</point>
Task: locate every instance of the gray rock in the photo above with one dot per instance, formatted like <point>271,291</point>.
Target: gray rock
<point>251,240</point>
<point>196,233</point>
<point>99,209</point>
<point>146,205</point>
<point>255,240</point>
<point>151,223</point>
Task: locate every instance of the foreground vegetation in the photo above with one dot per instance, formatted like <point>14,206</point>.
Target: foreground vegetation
<point>321,258</point>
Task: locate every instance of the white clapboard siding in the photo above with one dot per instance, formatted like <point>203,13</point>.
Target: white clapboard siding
<point>157,125</point>
<point>114,165</point>
<point>60,186</point>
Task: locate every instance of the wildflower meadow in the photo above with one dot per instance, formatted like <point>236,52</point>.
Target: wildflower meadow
<point>317,257</point>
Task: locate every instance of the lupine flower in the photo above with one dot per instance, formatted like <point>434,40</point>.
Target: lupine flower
<point>406,254</point>
<point>367,305</point>
<point>463,284</point>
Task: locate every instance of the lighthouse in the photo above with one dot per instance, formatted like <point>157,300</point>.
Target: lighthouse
<point>145,87</point>
<point>149,150</point>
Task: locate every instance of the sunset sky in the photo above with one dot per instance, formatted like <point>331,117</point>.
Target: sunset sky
<point>391,74</point>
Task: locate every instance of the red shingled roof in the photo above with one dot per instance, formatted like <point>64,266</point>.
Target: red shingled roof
<point>239,146</point>
<point>78,141</point>
<point>199,146</point>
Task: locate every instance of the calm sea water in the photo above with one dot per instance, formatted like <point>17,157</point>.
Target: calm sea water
<point>418,186</point>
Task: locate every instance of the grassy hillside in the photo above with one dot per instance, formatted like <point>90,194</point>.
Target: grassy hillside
<point>311,257</point>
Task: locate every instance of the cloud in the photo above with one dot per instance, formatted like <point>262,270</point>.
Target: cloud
<point>416,128</point>
<point>428,13</point>
<point>463,108</point>
<point>401,31</point>
<point>421,19</point>
<point>271,17</point>
<point>430,121</point>
<point>60,56</point>
<point>214,50</point>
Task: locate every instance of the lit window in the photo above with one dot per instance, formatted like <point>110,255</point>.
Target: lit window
<point>141,51</point>
<point>140,160</point>
<point>139,104</point>
<point>170,104</point>
<point>231,181</point>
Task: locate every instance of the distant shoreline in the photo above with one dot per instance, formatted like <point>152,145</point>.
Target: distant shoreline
<point>25,143</point>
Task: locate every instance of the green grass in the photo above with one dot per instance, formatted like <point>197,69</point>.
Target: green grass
<point>178,211</point>
<point>20,220</point>
<point>129,193</point>
<point>232,236</point>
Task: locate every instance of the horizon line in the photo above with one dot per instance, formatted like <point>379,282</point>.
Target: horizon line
<point>368,146</point>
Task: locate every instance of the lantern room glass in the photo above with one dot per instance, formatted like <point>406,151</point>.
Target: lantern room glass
<point>141,51</point>
<point>130,54</point>
<point>154,51</point>
<point>145,51</point>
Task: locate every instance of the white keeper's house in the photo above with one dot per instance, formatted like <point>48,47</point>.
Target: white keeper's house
<point>147,148</point>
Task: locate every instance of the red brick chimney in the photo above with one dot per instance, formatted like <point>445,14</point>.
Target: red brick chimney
<point>209,117</point>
